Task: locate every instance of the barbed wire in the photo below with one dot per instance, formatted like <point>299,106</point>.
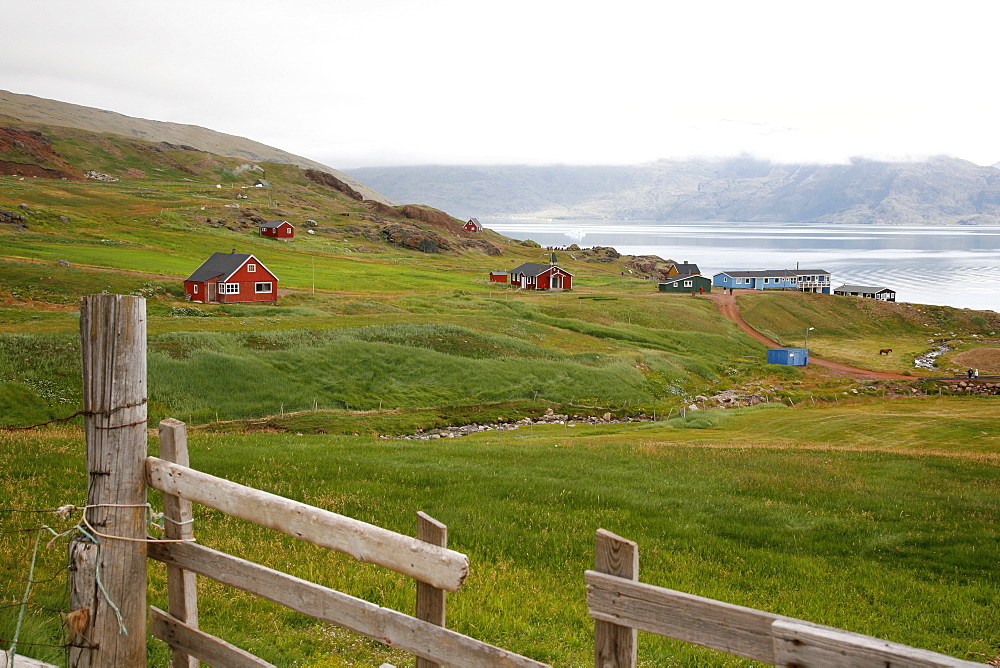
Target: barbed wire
<point>85,413</point>
<point>85,528</point>
<point>42,644</point>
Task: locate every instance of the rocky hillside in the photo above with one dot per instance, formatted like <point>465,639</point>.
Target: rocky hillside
<point>939,190</point>
<point>187,183</point>
<point>36,110</point>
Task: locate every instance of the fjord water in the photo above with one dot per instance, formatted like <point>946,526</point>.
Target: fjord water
<point>950,265</point>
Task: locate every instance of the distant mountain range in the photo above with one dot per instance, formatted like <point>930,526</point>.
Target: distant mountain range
<point>940,190</point>
<point>31,109</point>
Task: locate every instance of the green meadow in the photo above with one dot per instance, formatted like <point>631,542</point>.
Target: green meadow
<point>869,505</point>
<point>796,511</point>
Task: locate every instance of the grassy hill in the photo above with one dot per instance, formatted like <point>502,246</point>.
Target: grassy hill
<point>28,109</point>
<point>868,505</point>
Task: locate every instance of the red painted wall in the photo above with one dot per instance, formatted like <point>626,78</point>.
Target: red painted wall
<point>545,279</point>
<point>285,231</point>
<point>247,279</point>
<point>190,294</point>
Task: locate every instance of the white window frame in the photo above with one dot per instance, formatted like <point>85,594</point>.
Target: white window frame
<point>688,284</point>
<point>229,288</point>
<point>257,290</point>
<point>195,290</point>
<point>251,268</point>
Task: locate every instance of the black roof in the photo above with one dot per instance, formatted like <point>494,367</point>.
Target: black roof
<point>274,223</point>
<point>872,289</point>
<point>220,264</point>
<point>687,268</point>
<point>530,269</point>
<point>534,269</point>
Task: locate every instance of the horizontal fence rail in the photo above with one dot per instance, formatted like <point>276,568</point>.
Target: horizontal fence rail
<point>803,644</point>
<point>198,644</point>
<point>746,632</point>
<point>8,660</point>
<point>436,566</point>
<point>390,627</point>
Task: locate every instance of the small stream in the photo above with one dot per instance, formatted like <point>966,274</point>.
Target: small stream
<point>929,359</point>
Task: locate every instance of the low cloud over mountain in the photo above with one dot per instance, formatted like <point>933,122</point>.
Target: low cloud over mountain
<point>939,190</point>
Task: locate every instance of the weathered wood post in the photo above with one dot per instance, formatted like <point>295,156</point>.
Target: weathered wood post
<point>108,578</point>
<point>614,645</point>
<point>182,596</point>
<point>430,599</point>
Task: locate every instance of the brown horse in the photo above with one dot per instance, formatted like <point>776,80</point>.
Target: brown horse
<point>885,351</point>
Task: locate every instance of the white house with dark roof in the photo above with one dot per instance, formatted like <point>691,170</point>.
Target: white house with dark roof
<point>876,292</point>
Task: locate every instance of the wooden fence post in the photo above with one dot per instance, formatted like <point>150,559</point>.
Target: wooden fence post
<point>108,578</point>
<point>182,596</point>
<point>614,645</point>
<point>430,599</point>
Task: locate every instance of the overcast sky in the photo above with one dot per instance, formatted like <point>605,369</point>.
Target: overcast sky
<point>355,83</point>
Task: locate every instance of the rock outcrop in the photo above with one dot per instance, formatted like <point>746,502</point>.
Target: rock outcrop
<point>424,241</point>
<point>34,155</point>
<point>650,265</point>
<point>331,181</point>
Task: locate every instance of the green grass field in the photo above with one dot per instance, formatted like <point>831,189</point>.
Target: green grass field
<point>796,511</point>
<point>870,505</point>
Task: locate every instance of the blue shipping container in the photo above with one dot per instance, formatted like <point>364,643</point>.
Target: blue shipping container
<point>788,356</point>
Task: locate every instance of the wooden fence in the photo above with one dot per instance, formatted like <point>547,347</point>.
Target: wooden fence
<point>108,561</point>
<point>620,604</point>
<point>436,568</point>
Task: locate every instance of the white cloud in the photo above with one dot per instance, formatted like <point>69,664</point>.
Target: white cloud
<point>354,82</point>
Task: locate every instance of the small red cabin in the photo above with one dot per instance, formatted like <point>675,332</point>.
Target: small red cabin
<point>534,276</point>
<point>498,276</point>
<point>473,225</point>
<point>229,278</point>
<point>278,229</point>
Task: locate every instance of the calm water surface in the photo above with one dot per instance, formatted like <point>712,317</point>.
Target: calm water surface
<point>953,265</point>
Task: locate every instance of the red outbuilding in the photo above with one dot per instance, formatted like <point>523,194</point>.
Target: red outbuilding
<point>534,276</point>
<point>229,278</point>
<point>278,229</point>
<point>498,276</point>
<point>473,225</point>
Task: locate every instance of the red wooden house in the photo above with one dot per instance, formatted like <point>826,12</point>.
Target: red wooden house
<point>278,229</point>
<point>229,278</point>
<point>473,225</point>
<point>498,276</point>
<point>534,276</point>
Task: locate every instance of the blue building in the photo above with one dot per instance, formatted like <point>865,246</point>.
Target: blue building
<point>803,280</point>
<point>788,356</point>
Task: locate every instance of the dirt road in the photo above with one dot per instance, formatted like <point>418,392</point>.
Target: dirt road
<point>726,303</point>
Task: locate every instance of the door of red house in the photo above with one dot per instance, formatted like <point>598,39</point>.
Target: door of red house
<point>213,291</point>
